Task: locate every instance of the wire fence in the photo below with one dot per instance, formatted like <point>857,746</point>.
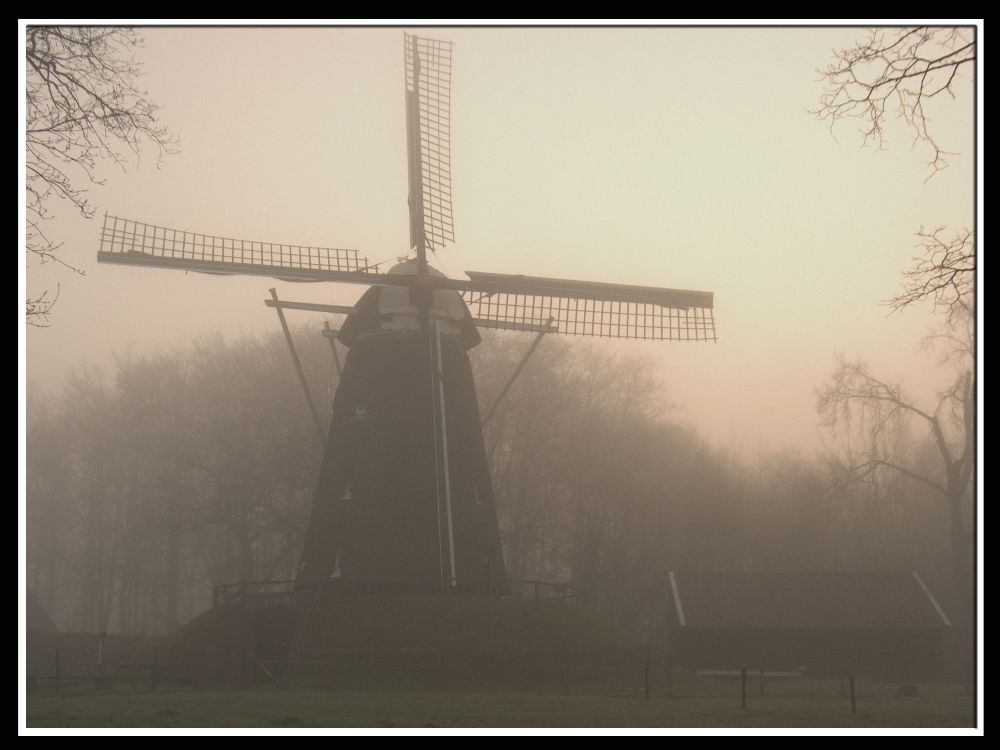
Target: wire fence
<point>736,689</point>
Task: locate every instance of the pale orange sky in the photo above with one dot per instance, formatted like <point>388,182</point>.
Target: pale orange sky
<point>682,158</point>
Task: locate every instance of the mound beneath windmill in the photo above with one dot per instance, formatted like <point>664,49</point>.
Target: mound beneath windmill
<point>475,627</point>
<point>240,641</point>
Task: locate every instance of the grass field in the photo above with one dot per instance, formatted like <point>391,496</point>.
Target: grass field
<point>704,703</point>
<point>362,671</point>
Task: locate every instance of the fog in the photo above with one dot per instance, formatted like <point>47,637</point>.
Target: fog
<point>683,158</point>
<point>630,486</point>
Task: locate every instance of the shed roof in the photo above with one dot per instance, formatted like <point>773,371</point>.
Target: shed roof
<point>803,600</point>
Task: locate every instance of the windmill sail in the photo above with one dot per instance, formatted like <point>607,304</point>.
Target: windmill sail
<point>513,302</point>
<point>580,308</point>
<point>428,141</point>
<point>136,243</point>
<point>587,308</point>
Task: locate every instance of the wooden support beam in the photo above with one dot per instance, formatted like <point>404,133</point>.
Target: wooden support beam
<point>298,368</point>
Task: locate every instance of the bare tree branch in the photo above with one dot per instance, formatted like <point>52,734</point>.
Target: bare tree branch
<point>859,472</point>
<point>83,108</point>
<point>895,72</point>
<point>39,307</point>
<point>944,274</point>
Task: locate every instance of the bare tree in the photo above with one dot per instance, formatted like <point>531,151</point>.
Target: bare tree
<point>895,73</point>
<point>868,409</point>
<point>83,107</point>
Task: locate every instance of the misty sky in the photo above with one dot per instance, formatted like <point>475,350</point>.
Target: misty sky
<point>671,157</point>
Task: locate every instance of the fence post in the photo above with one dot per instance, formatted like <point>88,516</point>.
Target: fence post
<point>743,688</point>
<point>99,682</point>
<point>645,678</point>
<point>670,665</point>
<point>57,670</point>
<point>854,707</point>
<point>761,679</point>
<point>156,668</point>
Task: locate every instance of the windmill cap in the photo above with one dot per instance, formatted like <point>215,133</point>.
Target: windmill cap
<point>410,267</point>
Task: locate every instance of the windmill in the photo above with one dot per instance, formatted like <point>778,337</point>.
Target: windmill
<point>404,498</point>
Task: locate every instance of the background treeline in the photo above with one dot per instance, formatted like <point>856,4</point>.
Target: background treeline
<point>152,481</point>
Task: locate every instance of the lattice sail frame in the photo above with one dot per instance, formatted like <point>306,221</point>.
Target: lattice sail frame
<point>593,317</point>
<point>514,302</point>
<point>138,243</point>
<point>580,308</point>
<point>428,82</point>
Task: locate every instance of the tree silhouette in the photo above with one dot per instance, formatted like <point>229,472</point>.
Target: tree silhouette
<point>83,107</point>
<point>895,73</point>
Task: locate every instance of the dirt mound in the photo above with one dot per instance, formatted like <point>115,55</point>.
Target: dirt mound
<point>247,640</point>
<point>470,628</point>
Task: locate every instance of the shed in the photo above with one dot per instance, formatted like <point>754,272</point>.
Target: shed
<point>887,623</point>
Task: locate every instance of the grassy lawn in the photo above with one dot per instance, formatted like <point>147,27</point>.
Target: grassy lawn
<point>713,704</point>
<point>495,677</point>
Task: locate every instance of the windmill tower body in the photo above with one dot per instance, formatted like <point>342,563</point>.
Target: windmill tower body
<point>404,499</point>
<point>381,515</point>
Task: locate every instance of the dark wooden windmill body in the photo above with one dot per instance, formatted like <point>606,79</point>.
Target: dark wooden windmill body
<point>404,498</point>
